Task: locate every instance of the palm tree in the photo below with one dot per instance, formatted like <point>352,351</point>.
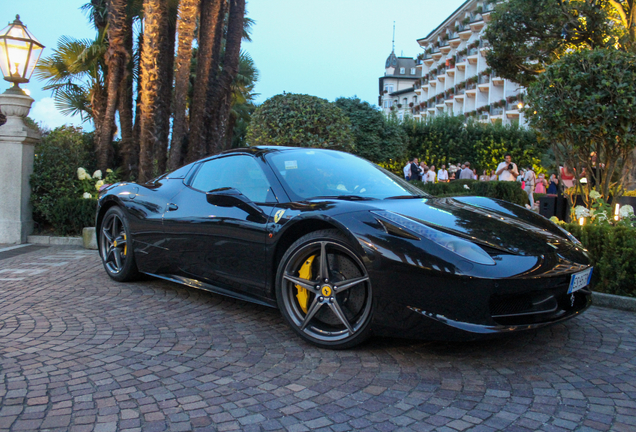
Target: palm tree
<point>208,54</point>
<point>155,24</point>
<point>116,60</point>
<point>75,74</point>
<point>220,95</point>
<point>188,12</point>
<point>241,107</point>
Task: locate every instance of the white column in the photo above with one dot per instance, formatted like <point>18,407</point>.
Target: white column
<point>17,143</point>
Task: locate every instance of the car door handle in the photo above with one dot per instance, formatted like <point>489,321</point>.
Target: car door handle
<point>172,207</point>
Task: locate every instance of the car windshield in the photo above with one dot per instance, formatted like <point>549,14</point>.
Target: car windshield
<point>313,173</point>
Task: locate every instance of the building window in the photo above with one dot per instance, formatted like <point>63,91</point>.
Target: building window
<point>402,71</point>
<point>412,71</point>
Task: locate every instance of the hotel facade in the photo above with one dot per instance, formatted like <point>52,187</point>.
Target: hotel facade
<point>451,76</point>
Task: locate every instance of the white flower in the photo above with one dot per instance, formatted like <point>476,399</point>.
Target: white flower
<point>99,184</point>
<point>466,187</point>
<point>600,216</point>
<point>87,195</point>
<point>595,195</point>
<point>626,211</point>
<point>581,211</point>
<point>97,174</point>
<point>82,174</point>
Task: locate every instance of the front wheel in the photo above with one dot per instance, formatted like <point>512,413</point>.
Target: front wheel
<point>324,292</point>
<point>115,246</point>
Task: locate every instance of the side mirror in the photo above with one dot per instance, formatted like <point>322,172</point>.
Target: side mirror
<point>231,197</point>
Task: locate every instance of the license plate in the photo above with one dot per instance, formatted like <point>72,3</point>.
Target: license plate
<point>580,280</point>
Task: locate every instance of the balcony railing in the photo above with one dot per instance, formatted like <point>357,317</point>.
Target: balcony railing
<point>476,17</point>
<point>460,91</point>
<point>435,50</point>
<point>484,43</point>
<point>428,56</point>
<point>439,100</point>
<point>496,111</point>
<point>453,35</point>
<point>473,51</point>
<point>471,86</point>
<point>441,71</point>
<point>513,106</point>
<point>420,62</point>
<point>444,43</point>
<point>461,58</point>
<point>484,79</point>
<point>463,28</point>
<point>430,104</point>
<point>449,96</point>
<point>488,7</point>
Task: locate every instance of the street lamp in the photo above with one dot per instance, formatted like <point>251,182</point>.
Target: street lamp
<point>19,53</point>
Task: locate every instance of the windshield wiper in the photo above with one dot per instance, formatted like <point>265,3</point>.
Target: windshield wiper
<point>406,196</point>
<point>345,197</point>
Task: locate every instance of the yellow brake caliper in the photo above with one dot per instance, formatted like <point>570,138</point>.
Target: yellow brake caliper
<point>125,246</point>
<point>304,273</point>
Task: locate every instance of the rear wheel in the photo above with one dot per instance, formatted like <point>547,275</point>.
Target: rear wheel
<point>115,246</point>
<point>324,292</point>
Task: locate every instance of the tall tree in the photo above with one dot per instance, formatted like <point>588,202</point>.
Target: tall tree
<point>116,59</point>
<point>220,98</point>
<point>128,149</point>
<point>155,27</point>
<point>210,35</point>
<point>188,12</point>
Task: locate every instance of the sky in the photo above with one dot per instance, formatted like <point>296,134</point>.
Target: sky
<point>325,48</point>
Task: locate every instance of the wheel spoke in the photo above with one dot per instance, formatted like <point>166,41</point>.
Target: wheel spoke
<point>307,284</point>
<point>335,308</point>
<point>117,254</point>
<point>324,265</point>
<point>107,235</point>
<point>346,284</point>
<point>114,231</point>
<point>315,305</point>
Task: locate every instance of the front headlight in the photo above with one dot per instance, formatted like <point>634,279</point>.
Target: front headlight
<point>458,246</point>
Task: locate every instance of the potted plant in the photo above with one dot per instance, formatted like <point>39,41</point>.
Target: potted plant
<point>411,105</point>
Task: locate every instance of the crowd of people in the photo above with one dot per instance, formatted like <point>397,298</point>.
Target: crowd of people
<point>505,171</point>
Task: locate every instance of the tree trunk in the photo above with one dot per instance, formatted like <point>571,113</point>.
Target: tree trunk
<point>166,65</point>
<point>130,155</point>
<point>116,59</point>
<point>229,131</point>
<point>210,34</point>
<point>221,90</point>
<point>189,10</point>
<point>155,16</point>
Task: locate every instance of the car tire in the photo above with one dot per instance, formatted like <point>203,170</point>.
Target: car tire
<point>115,246</point>
<point>331,305</point>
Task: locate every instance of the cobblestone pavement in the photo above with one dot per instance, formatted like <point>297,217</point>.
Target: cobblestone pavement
<point>80,352</point>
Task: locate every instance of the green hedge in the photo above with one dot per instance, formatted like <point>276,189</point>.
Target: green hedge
<point>507,191</point>
<point>613,253</point>
<point>70,215</point>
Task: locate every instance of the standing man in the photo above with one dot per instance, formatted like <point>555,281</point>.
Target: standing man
<point>406,170</point>
<point>507,170</point>
<point>467,173</point>
<point>442,175</point>
<point>415,170</point>
<point>431,174</point>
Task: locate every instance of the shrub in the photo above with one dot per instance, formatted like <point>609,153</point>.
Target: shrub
<point>300,121</point>
<point>69,215</point>
<point>57,158</point>
<point>507,191</point>
<point>377,138</point>
<point>612,250</point>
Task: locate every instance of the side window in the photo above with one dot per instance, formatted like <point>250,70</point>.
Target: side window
<point>239,172</point>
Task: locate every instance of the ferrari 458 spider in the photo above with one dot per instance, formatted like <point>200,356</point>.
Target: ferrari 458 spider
<point>344,248</point>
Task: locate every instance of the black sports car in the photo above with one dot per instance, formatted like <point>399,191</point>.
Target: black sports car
<point>344,248</point>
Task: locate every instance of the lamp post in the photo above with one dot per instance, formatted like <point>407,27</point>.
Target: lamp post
<point>19,53</point>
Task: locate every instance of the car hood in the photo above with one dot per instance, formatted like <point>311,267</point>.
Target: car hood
<point>491,223</point>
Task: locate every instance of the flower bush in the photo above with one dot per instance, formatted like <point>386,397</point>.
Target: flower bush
<point>91,185</point>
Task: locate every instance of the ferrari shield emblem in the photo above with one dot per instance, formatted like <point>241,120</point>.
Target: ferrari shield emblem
<point>279,214</point>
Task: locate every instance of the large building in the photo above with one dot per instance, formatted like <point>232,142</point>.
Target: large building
<point>453,77</point>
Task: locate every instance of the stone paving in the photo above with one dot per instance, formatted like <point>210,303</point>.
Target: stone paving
<point>81,352</point>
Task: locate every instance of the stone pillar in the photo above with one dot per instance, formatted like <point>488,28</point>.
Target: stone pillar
<point>17,145</point>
